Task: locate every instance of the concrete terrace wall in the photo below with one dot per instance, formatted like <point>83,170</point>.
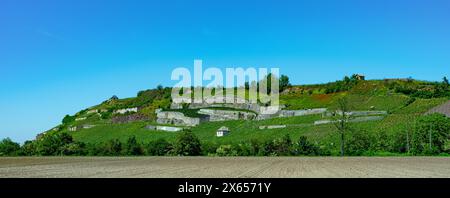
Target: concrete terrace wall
<point>357,119</point>
<point>262,113</point>
<point>358,113</point>
<point>177,118</point>
<point>244,106</point>
<point>123,111</point>
<point>291,113</point>
<point>164,128</point>
<point>220,101</point>
<point>223,115</point>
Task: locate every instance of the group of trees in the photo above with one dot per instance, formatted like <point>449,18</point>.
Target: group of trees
<point>283,82</point>
<point>148,96</point>
<point>430,90</point>
<point>283,146</point>
<point>56,144</point>
<point>342,85</point>
<point>9,148</point>
<point>429,137</point>
<point>186,144</point>
<point>63,144</point>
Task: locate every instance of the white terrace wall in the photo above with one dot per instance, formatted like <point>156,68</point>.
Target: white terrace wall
<point>123,111</point>
<point>164,128</point>
<point>357,119</point>
<point>245,106</point>
<point>291,113</point>
<point>177,118</point>
<point>220,101</point>
<point>223,115</point>
<point>358,113</point>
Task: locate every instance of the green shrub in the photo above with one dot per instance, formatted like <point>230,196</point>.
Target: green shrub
<point>52,144</point>
<point>358,142</point>
<point>246,149</point>
<point>431,134</point>
<point>187,144</point>
<point>226,150</point>
<point>341,85</point>
<point>9,148</point>
<point>399,142</point>
<point>284,83</point>
<point>268,148</point>
<point>112,147</point>
<point>29,148</point>
<point>159,147</point>
<point>74,148</point>
<point>68,119</point>
<point>380,141</point>
<point>209,148</point>
<point>304,147</point>
<point>132,147</point>
<point>283,146</point>
<point>97,149</point>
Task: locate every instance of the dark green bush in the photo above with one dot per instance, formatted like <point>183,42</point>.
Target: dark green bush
<point>29,148</point>
<point>430,134</point>
<point>112,147</point>
<point>52,144</point>
<point>304,147</point>
<point>158,147</point>
<point>74,148</point>
<point>68,119</point>
<point>342,85</point>
<point>226,150</point>
<point>358,142</point>
<point>209,148</point>
<point>9,148</point>
<point>187,144</point>
<point>132,147</point>
<point>283,146</point>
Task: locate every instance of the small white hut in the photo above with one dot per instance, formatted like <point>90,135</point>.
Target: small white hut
<point>222,131</point>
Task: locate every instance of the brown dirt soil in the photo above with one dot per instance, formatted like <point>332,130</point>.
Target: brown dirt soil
<point>227,167</point>
<point>322,97</point>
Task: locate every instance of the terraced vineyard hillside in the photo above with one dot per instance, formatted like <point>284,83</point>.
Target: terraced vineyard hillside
<point>403,100</point>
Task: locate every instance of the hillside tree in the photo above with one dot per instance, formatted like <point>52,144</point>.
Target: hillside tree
<point>8,147</point>
<point>113,147</point>
<point>187,144</point>
<point>431,134</point>
<point>341,121</point>
<point>132,147</point>
<point>284,82</point>
<point>158,147</point>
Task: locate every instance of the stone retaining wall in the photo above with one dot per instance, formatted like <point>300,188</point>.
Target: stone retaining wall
<point>223,115</point>
<point>358,113</point>
<point>357,119</point>
<point>177,118</point>
<point>164,128</point>
<point>123,111</point>
<point>291,113</point>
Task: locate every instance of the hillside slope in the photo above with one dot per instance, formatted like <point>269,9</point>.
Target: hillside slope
<point>102,123</point>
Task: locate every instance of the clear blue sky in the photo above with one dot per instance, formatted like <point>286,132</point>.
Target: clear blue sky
<point>58,57</point>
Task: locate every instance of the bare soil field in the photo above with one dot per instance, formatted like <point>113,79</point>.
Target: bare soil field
<point>226,167</point>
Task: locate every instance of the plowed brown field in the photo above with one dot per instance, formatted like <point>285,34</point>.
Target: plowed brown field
<point>228,167</point>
